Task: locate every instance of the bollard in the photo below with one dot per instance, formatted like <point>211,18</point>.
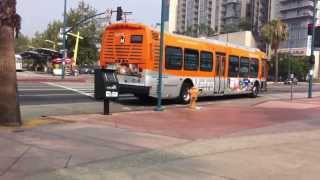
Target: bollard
<point>194,92</point>
<point>106,106</point>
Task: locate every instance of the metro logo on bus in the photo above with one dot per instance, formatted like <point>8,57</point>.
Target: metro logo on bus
<point>122,39</point>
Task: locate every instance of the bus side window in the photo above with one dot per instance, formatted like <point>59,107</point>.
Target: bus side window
<point>233,66</point>
<point>173,58</point>
<point>254,68</point>
<point>206,61</point>
<point>191,60</point>
<point>244,67</point>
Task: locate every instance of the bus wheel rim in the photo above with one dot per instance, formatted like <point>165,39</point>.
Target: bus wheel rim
<point>186,96</point>
<point>255,90</point>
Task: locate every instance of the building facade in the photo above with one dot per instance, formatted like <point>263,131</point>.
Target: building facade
<point>253,13</point>
<point>297,14</point>
<point>190,14</point>
<point>219,15</point>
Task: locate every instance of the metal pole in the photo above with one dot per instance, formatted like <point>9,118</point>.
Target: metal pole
<point>291,90</point>
<point>312,48</point>
<point>159,101</point>
<point>64,39</point>
<point>106,106</point>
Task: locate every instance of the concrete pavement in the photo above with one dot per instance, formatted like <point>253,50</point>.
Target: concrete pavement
<point>289,156</point>
<point>270,140</point>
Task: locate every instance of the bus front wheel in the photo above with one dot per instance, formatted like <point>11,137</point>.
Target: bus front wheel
<point>184,93</point>
<point>255,91</point>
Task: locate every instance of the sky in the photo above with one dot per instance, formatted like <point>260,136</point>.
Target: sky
<point>37,14</point>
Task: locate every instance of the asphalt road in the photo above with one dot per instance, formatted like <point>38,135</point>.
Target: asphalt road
<point>41,94</point>
<point>56,98</point>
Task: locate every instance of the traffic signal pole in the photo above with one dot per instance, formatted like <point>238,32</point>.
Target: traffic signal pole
<point>310,74</point>
<point>159,90</point>
<point>64,39</point>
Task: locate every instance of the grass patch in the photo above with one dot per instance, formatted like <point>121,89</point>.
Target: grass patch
<point>31,124</point>
<point>316,80</point>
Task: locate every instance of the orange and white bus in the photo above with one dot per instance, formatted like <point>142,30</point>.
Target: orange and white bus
<point>216,68</point>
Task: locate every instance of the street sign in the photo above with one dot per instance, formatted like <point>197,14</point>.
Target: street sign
<point>60,35</point>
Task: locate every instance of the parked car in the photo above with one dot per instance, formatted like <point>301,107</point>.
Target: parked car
<point>290,81</point>
<point>87,69</point>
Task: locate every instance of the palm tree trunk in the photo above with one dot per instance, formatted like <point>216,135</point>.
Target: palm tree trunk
<point>9,106</point>
<point>276,72</point>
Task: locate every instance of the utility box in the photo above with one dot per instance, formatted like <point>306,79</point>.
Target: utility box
<point>106,85</point>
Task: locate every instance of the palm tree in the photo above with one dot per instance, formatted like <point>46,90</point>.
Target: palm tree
<point>9,27</point>
<point>274,33</point>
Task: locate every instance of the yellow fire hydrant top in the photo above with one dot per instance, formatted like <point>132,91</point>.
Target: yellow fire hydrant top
<point>194,93</point>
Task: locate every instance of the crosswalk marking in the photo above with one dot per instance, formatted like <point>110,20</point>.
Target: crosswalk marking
<point>72,89</point>
<point>84,89</point>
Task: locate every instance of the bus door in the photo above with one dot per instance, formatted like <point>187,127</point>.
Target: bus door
<point>219,78</point>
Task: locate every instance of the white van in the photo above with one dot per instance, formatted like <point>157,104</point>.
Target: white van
<point>18,63</point>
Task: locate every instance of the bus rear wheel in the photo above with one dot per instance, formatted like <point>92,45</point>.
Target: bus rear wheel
<point>184,97</point>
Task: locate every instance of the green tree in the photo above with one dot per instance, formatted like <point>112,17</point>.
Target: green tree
<point>22,43</point>
<point>273,34</point>
<point>91,30</point>
<point>9,24</point>
<point>298,65</point>
<point>205,30</point>
<point>198,30</point>
<point>245,24</point>
<point>189,31</point>
<point>230,28</point>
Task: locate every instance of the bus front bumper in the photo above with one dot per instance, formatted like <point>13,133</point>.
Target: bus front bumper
<point>134,89</point>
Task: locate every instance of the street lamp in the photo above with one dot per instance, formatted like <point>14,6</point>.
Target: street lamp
<point>159,89</point>
<point>310,74</point>
<point>64,39</point>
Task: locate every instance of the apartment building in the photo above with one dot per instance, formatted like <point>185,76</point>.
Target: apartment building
<point>232,12</point>
<point>252,12</point>
<point>220,15</point>
<point>191,13</point>
<point>298,14</point>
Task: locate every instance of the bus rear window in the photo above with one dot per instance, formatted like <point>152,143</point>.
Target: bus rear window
<point>136,39</point>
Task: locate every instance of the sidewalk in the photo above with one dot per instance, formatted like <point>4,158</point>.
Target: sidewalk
<point>292,156</point>
<point>277,140</point>
<point>208,122</point>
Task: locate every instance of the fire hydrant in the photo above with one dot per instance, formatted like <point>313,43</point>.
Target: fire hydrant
<point>193,92</point>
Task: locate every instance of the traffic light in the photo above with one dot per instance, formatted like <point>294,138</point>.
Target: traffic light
<point>119,13</point>
<point>317,34</point>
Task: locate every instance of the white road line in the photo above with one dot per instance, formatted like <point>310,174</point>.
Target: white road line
<point>127,108</point>
<point>45,95</point>
<point>70,89</point>
<point>41,89</point>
